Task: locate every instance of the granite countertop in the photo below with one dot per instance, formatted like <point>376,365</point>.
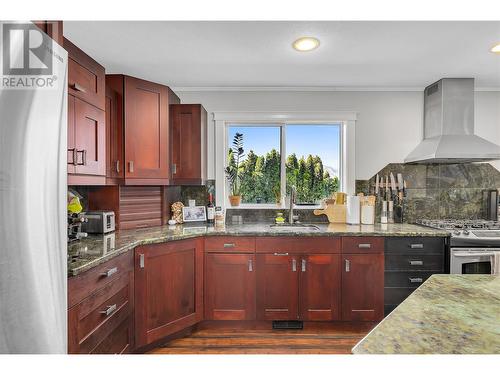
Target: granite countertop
<point>96,249</point>
<point>448,314</point>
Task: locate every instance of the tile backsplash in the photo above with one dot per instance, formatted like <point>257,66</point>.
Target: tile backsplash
<point>440,191</point>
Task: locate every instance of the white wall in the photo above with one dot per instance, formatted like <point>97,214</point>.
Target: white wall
<point>389,124</point>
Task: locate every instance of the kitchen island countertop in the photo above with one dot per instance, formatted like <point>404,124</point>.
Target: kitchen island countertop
<point>96,249</point>
<point>448,314</point>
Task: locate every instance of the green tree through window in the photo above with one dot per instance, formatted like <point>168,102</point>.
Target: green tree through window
<point>260,171</point>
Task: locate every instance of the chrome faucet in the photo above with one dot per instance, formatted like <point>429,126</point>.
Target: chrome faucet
<point>293,197</point>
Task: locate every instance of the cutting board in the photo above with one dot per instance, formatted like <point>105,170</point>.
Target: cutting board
<point>336,213</point>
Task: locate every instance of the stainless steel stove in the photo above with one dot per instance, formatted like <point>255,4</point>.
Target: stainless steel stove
<point>474,244</point>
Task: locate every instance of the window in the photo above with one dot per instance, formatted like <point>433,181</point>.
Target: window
<point>312,161</point>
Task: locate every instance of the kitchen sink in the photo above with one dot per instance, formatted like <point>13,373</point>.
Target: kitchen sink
<point>296,227</point>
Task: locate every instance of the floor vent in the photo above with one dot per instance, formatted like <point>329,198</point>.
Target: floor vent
<point>288,324</point>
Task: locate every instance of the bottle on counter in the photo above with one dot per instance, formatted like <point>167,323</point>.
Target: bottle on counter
<point>210,210</point>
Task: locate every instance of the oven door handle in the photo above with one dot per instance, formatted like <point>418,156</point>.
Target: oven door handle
<point>473,255</point>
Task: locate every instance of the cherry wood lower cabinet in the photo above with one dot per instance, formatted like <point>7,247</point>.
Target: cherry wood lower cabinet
<point>320,287</point>
<point>168,288</point>
<point>363,287</point>
<point>277,287</point>
<point>298,287</point>
<point>229,286</point>
<point>101,305</point>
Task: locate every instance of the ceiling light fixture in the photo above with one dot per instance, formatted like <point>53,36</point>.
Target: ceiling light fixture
<point>496,49</point>
<point>305,44</point>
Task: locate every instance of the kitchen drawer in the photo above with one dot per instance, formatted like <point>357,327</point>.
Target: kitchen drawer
<point>362,245</point>
<point>230,244</point>
<point>93,320</point>
<point>394,296</point>
<point>83,285</point>
<point>404,279</point>
<point>298,245</point>
<point>86,77</point>
<point>414,262</point>
<point>414,245</point>
<point>118,342</point>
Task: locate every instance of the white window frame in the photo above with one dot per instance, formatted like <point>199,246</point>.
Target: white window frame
<point>221,121</point>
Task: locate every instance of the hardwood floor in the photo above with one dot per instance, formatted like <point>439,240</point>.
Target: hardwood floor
<point>260,338</point>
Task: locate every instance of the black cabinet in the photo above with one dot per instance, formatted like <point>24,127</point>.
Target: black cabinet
<point>409,261</point>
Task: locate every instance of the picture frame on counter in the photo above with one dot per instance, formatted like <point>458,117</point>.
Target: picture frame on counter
<point>196,213</point>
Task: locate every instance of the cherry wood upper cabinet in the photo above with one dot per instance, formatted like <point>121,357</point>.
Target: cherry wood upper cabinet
<point>114,134</point>
<point>188,144</point>
<point>54,29</point>
<point>363,287</point>
<point>141,130</point>
<point>85,76</point>
<point>90,139</point>
<point>229,286</point>
<point>320,276</point>
<point>168,288</point>
<point>277,286</point>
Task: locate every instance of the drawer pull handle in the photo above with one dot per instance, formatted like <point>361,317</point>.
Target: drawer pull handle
<point>131,166</point>
<point>118,166</point>
<point>109,310</point>
<point>280,254</point>
<point>141,260</point>
<point>84,157</point>
<point>417,246</point>
<point>416,262</point>
<point>250,265</point>
<point>294,265</point>
<point>74,155</point>
<point>415,280</point>
<point>303,265</point>
<point>75,86</point>
<point>174,168</point>
<point>110,272</point>
<point>364,245</point>
<point>229,245</point>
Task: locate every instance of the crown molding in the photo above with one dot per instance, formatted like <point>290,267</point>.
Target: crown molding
<point>310,88</point>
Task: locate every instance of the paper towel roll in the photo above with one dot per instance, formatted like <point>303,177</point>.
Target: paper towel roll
<point>353,210</point>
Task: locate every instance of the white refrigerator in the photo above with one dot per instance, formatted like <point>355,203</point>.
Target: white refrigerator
<point>33,143</point>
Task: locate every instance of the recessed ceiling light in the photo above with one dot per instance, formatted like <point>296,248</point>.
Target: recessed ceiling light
<point>496,49</point>
<point>305,44</point>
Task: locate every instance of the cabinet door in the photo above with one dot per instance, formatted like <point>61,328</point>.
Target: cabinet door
<point>188,143</point>
<point>71,135</point>
<point>90,139</point>
<point>320,287</point>
<point>277,287</point>
<point>168,288</point>
<point>146,130</point>
<point>114,134</point>
<point>363,287</point>
<point>230,287</point>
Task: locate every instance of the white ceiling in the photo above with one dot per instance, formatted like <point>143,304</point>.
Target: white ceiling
<point>363,55</point>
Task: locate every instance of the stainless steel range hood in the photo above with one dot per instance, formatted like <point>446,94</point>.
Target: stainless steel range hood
<point>449,126</point>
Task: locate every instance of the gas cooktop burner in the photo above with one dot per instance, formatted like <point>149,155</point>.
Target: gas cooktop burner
<point>460,224</point>
<point>479,232</point>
